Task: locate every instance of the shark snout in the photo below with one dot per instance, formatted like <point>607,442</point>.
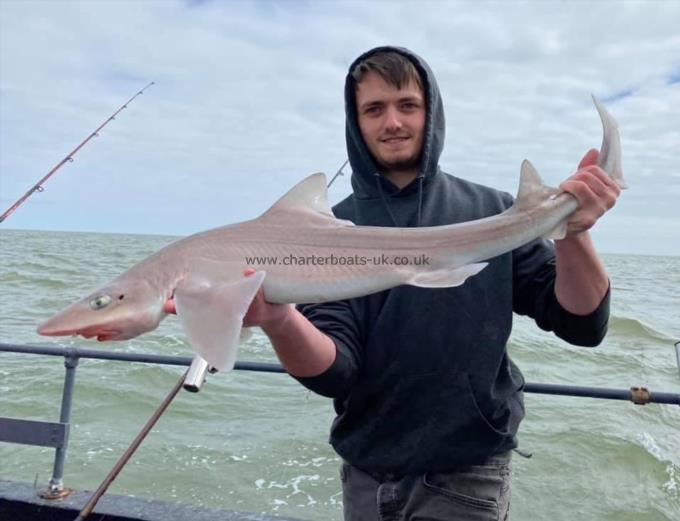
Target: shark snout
<point>100,331</point>
<point>121,323</point>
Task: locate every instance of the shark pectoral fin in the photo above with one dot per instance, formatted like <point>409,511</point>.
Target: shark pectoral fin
<point>212,312</point>
<point>445,278</point>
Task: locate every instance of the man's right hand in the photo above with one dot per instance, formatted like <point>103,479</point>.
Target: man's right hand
<point>270,317</point>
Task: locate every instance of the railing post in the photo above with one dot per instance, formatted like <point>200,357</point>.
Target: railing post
<point>55,487</point>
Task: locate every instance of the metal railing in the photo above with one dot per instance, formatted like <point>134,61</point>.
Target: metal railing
<point>57,434</point>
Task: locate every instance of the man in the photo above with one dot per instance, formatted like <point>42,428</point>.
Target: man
<point>428,402</point>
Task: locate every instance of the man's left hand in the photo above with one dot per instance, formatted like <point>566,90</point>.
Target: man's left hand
<point>595,191</point>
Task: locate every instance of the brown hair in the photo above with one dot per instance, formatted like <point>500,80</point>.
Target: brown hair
<point>396,69</point>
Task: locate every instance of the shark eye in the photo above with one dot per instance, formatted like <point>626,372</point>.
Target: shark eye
<point>100,301</point>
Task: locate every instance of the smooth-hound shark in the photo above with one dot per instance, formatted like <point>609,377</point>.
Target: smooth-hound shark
<point>204,272</point>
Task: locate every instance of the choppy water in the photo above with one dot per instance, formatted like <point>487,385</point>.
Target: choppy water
<point>257,442</point>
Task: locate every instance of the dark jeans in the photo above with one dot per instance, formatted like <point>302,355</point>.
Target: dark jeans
<point>475,493</point>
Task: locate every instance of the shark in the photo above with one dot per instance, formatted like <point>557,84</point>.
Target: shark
<point>303,254</point>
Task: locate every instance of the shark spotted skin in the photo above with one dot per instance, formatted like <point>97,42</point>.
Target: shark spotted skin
<point>204,272</point>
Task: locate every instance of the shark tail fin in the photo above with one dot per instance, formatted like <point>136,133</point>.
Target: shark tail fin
<point>610,151</point>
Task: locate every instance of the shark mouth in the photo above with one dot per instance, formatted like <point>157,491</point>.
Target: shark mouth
<point>101,333</point>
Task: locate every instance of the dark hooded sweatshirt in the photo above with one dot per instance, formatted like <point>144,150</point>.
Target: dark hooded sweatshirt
<point>422,380</point>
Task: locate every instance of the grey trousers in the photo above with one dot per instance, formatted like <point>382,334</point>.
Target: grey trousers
<point>475,493</point>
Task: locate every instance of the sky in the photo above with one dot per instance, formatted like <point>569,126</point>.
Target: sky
<point>248,100</point>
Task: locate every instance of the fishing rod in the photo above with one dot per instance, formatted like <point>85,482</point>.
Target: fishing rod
<point>37,187</point>
<point>338,173</point>
<point>87,509</point>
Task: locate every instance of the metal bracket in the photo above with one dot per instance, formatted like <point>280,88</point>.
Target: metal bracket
<point>55,491</point>
<point>640,395</point>
<point>196,374</point>
<point>32,432</point>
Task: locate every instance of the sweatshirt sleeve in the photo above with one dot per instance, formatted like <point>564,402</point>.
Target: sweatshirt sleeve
<point>534,295</point>
<point>337,320</point>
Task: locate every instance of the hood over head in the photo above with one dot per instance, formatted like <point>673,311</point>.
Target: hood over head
<point>363,165</point>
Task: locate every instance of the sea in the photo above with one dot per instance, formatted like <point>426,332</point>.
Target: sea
<point>258,442</point>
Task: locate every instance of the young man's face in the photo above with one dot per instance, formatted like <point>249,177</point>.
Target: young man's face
<point>392,121</point>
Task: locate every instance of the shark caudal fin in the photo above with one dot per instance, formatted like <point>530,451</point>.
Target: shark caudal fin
<point>532,190</point>
<point>211,303</point>
<point>610,151</point>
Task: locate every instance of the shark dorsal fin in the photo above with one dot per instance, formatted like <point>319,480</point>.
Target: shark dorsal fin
<point>310,194</point>
<point>531,191</point>
<point>531,187</point>
<point>530,183</point>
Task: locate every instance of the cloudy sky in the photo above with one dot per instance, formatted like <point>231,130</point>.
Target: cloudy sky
<point>248,100</point>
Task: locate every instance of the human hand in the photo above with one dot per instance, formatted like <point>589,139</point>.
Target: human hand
<point>260,313</point>
<point>594,190</point>
<point>265,314</point>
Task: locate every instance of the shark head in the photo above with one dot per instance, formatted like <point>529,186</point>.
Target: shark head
<point>118,311</point>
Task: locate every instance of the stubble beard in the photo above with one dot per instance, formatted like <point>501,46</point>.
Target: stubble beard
<point>402,165</point>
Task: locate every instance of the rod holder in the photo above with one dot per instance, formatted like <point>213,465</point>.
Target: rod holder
<point>196,374</point>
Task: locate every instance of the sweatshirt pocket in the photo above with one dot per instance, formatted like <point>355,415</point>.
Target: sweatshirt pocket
<point>501,430</point>
<point>460,432</point>
<point>425,422</point>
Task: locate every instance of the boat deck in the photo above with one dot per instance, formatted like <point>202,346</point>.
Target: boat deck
<point>21,501</point>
